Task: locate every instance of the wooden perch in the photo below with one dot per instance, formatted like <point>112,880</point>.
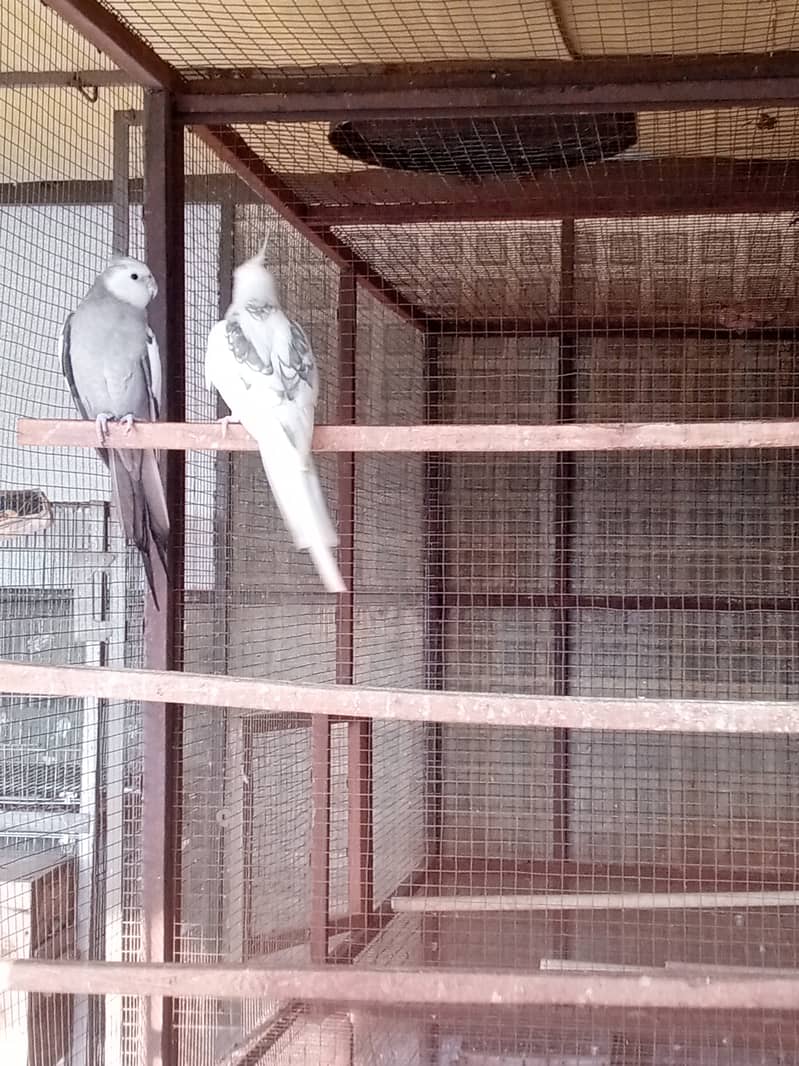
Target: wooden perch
<point>613,436</point>
<point>357,986</point>
<point>595,901</point>
<point>404,705</point>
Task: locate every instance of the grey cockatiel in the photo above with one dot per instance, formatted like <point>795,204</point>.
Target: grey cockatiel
<point>262,365</point>
<point>110,359</point>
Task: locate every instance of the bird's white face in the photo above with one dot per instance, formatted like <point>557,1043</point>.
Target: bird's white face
<point>130,281</point>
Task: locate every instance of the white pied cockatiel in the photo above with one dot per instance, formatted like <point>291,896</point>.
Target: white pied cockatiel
<point>261,364</point>
<point>110,358</point>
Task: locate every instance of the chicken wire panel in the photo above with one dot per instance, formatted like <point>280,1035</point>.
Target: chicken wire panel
<point>70,590</point>
<point>201,39</point>
<point>414,195</point>
<point>561,1036</point>
<point>533,1036</point>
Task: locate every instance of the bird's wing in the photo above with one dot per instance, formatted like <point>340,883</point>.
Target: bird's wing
<point>66,366</point>
<point>69,374</point>
<point>153,374</point>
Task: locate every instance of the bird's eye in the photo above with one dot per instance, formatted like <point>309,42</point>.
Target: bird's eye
<point>134,277</point>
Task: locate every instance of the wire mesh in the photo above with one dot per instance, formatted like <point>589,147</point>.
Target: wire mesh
<point>656,573</point>
<point>239,37</point>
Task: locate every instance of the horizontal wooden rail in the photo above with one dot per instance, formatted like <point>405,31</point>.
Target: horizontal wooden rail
<point>600,437</point>
<point>593,901</point>
<point>354,701</point>
<point>362,987</point>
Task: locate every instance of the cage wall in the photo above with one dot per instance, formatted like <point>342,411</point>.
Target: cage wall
<point>70,590</point>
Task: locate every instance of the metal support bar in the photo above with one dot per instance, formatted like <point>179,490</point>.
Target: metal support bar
<point>565,478</point>
<point>320,839</point>
<point>62,79</point>
<point>563,533</point>
<point>435,473</point>
<point>664,74</point>
<point>475,90</point>
<point>599,328</point>
<point>120,183</point>
<point>162,722</point>
<point>620,188</point>
<point>100,26</point>
<point>360,860</point>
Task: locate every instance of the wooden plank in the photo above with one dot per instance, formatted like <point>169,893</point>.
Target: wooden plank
<point>595,437</point>
<point>404,705</point>
<point>356,986</point>
<point>593,901</point>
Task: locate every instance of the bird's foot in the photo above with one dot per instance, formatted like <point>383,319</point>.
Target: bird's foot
<point>227,420</point>
<point>127,421</point>
<point>101,425</point>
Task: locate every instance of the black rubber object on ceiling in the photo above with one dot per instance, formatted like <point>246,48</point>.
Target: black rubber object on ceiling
<point>483,147</point>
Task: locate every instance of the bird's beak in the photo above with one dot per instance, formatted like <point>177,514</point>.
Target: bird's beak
<point>262,251</point>
<point>152,287</point>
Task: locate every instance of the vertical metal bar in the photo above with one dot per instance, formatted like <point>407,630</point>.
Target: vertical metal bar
<point>120,182</point>
<point>345,414</point>
<point>565,475</point>
<point>360,861</point>
<point>435,472</point>
<point>231,727</point>
<point>320,839</point>
<point>164,225</point>
<point>115,719</point>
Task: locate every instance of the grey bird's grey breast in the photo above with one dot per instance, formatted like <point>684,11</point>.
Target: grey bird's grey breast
<point>107,351</point>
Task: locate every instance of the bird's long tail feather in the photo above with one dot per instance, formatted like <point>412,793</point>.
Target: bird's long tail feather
<point>139,499</point>
<point>298,494</point>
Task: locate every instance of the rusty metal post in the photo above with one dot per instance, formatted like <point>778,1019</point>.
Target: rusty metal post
<point>565,476</point>
<point>360,859</point>
<point>435,469</point>
<point>162,723</point>
<point>320,840</point>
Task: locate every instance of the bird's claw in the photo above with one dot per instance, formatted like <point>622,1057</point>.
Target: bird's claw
<point>225,421</point>
<point>101,425</point>
<point>127,421</point>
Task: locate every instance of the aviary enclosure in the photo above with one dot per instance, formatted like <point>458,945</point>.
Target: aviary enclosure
<point>528,793</point>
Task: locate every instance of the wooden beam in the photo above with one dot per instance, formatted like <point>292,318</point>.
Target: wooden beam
<point>232,149</point>
<point>623,188</point>
<point>403,705</point>
<point>357,986</point>
<point>472,90</point>
<point>585,437</point>
<point>101,27</point>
